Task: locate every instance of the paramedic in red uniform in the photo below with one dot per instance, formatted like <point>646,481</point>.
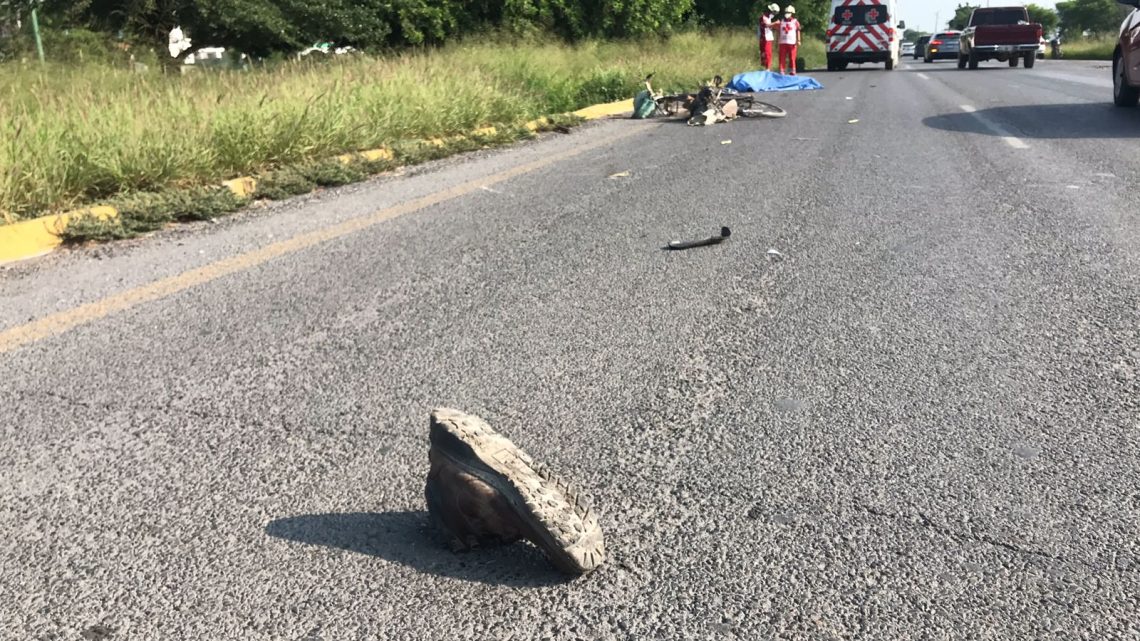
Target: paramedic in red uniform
<point>790,38</point>
<point>767,34</point>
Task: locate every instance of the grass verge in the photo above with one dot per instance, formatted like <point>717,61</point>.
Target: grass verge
<point>1090,48</point>
<point>143,212</point>
<point>73,135</point>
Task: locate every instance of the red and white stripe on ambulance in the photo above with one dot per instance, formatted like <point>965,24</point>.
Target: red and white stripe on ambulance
<point>861,37</point>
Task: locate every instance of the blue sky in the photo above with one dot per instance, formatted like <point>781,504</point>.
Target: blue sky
<point>920,14</point>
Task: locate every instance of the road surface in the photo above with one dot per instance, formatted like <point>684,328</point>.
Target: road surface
<point>923,422</point>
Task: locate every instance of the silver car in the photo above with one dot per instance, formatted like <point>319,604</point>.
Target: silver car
<point>908,49</point>
<point>942,45</point>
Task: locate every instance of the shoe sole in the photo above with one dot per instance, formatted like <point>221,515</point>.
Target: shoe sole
<point>560,522</point>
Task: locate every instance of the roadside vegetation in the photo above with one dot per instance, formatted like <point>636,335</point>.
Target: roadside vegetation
<point>1099,48</point>
<point>73,134</point>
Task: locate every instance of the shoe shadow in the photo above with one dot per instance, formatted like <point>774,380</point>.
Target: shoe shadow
<point>408,538</point>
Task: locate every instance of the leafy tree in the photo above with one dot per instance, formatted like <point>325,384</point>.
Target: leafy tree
<point>11,11</point>
<point>1095,16</point>
<point>912,35</point>
<point>1046,17</point>
<point>261,27</point>
<point>812,14</point>
<point>961,16</point>
<point>635,17</point>
<point>727,12</point>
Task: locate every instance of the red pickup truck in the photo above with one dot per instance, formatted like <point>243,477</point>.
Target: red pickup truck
<point>1004,33</point>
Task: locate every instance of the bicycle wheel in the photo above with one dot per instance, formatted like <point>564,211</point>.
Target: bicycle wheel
<point>670,105</point>
<point>674,103</point>
<point>743,100</point>
<point>762,110</point>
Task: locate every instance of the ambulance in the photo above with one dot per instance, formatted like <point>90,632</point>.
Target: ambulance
<point>863,31</point>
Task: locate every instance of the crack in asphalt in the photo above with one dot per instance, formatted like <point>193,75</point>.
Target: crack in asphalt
<point>925,522</point>
<point>284,424</point>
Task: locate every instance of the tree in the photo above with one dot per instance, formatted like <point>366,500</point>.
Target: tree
<point>728,12</point>
<point>635,17</point>
<point>261,27</point>
<point>812,14</point>
<point>1094,16</point>
<point>962,16</point>
<point>912,35</point>
<point>11,13</point>
<point>1046,17</point>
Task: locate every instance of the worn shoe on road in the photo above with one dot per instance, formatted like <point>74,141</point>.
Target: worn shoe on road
<point>482,489</point>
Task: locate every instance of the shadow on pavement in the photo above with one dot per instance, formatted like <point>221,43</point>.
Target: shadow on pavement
<point>1062,121</point>
<point>951,66</point>
<point>870,66</point>
<point>407,538</point>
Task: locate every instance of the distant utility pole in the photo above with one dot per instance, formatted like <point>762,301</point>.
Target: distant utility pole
<point>936,22</point>
<point>36,31</point>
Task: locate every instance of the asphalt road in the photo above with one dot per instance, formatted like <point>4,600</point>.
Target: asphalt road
<point>923,422</point>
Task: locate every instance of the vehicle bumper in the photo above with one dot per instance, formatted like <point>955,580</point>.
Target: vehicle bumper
<point>943,54</point>
<point>859,56</point>
<point>997,50</point>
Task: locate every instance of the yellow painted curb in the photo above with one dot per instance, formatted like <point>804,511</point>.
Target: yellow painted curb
<point>593,112</point>
<point>606,110</point>
<point>373,155</point>
<point>242,187</point>
<point>39,236</point>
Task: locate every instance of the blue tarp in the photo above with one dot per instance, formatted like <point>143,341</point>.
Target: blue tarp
<point>770,81</point>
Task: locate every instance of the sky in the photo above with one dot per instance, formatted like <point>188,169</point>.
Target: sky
<point>920,14</point>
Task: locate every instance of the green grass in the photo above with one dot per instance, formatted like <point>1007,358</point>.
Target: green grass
<point>73,135</point>
<point>147,211</point>
<point>141,212</point>
<point>1090,48</point>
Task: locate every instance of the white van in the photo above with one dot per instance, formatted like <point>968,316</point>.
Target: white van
<point>863,31</point>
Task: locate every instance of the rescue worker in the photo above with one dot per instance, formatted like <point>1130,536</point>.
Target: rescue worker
<point>790,38</point>
<point>767,34</point>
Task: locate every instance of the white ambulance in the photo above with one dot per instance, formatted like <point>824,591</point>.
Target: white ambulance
<point>863,31</point>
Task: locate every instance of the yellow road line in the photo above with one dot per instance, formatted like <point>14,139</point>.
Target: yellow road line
<point>60,322</point>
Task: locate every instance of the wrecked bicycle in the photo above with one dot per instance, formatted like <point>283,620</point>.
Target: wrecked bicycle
<point>712,95</point>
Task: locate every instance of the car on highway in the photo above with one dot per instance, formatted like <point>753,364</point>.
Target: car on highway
<point>1041,48</point>
<point>908,48</point>
<point>1002,33</point>
<point>942,45</point>
<point>920,47</point>
<point>1126,59</point>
